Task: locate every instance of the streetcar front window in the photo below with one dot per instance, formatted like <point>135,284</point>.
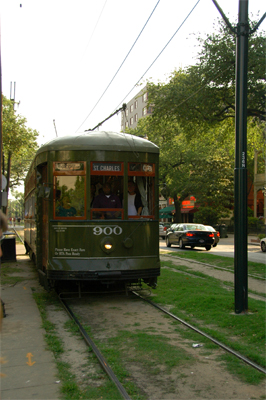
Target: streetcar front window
<point>141,190</point>
<point>70,193</point>
<point>113,197</point>
<point>106,190</point>
<point>69,190</point>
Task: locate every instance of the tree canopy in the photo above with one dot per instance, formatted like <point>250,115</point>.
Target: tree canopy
<point>192,122</point>
<point>19,145</point>
<point>204,93</point>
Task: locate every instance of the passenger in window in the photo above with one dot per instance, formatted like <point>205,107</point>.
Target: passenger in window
<point>107,200</point>
<point>93,191</point>
<point>135,205</point>
<point>65,209</point>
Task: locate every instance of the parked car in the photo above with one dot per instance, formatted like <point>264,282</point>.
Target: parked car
<point>216,234</point>
<point>193,235</point>
<point>263,244</point>
<point>163,226</point>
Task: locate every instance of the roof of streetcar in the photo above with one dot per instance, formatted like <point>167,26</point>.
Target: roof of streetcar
<point>100,140</point>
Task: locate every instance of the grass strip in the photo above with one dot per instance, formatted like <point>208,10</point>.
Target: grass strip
<point>69,387</point>
<point>206,304</point>
<point>218,261</point>
<point>149,353</point>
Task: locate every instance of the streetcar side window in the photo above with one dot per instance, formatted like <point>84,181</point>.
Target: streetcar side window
<point>30,206</point>
<point>69,190</point>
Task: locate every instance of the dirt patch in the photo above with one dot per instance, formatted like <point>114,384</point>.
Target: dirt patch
<point>203,377</point>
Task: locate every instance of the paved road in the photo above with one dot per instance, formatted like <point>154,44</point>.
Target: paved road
<point>225,248</point>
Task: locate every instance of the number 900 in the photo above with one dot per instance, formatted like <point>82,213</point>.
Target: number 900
<point>107,230</point>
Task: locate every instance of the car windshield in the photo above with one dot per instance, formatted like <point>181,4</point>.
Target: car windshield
<point>209,228</point>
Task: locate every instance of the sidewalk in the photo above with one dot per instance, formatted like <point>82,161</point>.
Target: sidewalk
<point>28,370</point>
<point>252,239</point>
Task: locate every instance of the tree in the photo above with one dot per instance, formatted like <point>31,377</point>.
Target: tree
<point>19,145</point>
<point>193,122</point>
<point>17,205</point>
<point>204,94</point>
<point>202,166</point>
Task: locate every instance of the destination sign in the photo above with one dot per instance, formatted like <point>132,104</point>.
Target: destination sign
<point>69,166</point>
<point>111,167</point>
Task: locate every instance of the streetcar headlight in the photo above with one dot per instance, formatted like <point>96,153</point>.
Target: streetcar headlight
<point>107,244</point>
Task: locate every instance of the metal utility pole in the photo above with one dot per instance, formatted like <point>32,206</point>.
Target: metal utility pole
<point>242,32</point>
<point>13,98</point>
<point>240,207</point>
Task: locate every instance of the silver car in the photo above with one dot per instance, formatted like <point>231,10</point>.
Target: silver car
<point>163,228</point>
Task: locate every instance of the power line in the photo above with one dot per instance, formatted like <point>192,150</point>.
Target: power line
<point>160,53</point>
<point>121,64</point>
<point>87,45</point>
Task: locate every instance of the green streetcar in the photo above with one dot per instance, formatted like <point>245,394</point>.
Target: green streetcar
<point>91,210</point>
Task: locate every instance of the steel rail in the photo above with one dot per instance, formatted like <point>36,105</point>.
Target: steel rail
<point>220,344</point>
<point>97,352</point>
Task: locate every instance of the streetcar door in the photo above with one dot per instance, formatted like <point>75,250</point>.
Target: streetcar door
<point>44,227</point>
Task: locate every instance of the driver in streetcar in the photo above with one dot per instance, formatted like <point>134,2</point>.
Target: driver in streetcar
<point>107,200</point>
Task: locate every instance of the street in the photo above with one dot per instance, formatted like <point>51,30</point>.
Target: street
<point>225,248</point>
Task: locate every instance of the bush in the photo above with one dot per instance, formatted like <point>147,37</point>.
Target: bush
<point>210,216</point>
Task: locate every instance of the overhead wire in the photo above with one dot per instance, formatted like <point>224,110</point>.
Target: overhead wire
<point>95,26</point>
<point>160,52</point>
<point>120,65</point>
<point>94,29</point>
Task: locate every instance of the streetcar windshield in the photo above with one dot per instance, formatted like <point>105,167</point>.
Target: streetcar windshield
<point>107,180</point>
<point>113,190</point>
<point>113,197</point>
<point>69,192</point>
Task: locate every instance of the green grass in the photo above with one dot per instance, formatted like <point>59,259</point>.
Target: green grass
<point>6,270</point>
<point>206,304</point>
<point>222,262</point>
<point>150,353</point>
<point>70,389</point>
<point>196,298</point>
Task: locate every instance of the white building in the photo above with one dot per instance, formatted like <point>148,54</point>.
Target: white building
<point>136,109</point>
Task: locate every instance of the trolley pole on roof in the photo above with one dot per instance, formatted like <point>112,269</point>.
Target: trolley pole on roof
<point>242,32</point>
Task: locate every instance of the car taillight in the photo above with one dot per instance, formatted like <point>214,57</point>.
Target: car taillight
<point>190,234</point>
<point>164,228</point>
<point>211,235</point>
<point>218,234</point>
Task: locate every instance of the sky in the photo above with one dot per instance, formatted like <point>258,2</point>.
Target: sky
<point>63,55</point>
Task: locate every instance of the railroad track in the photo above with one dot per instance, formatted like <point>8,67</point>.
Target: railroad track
<point>103,362</point>
<point>195,329</point>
